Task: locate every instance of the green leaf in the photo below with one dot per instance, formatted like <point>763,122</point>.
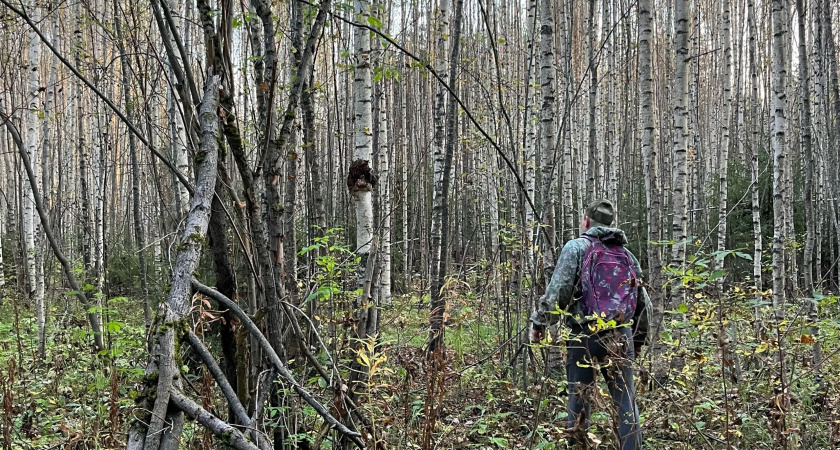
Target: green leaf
<point>374,22</point>
<point>743,255</point>
<point>501,442</point>
<point>683,308</point>
<point>717,274</point>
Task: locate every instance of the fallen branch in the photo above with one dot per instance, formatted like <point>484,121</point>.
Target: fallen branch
<point>222,382</point>
<point>223,430</point>
<point>276,362</point>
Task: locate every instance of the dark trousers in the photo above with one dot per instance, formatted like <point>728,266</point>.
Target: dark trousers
<point>612,351</point>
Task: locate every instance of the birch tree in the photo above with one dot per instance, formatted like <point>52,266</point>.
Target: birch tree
<point>31,232</point>
<point>679,204</point>
<point>779,55</point>
<point>651,167</point>
<point>438,257</point>
<point>548,131</point>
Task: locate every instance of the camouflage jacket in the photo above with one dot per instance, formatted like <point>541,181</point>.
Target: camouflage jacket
<point>563,290</point>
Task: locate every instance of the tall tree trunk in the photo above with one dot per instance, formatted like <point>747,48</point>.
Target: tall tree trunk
<point>529,157</point>
<point>361,180</point>
<point>754,143</point>
<point>679,204</point>
<point>779,74</point>
<point>438,257</point>
<point>779,154</point>
<point>29,220</point>
<point>593,167</point>
<point>808,194</point>
<point>569,219</point>
<point>383,168</point>
<point>548,132</point>
<point>723,167</point>
<point>651,171</point>
<point>139,236</point>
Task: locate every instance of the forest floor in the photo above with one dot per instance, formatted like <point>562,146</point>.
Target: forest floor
<point>75,399</point>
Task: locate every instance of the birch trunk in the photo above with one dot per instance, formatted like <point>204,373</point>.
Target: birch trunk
<point>548,131</point>
<point>754,144</point>
<point>529,157</point>
<point>651,169</point>
<point>438,257</point>
<point>566,16</point>
<point>808,194</point>
<point>779,154</point>
<point>383,166</point>
<point>723,167</point>
<point>361,180</point>
<point>177,128</point>
<point>593,167</point>
<point>139,235</point>
<point>30,226</point>
<point>100,135</point>
<point>679,204</point>
<point>778,82</point>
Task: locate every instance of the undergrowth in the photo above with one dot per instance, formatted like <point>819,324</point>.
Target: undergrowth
<point>496,391</point>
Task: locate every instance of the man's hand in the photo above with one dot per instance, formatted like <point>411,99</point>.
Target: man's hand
<point>537,334</point>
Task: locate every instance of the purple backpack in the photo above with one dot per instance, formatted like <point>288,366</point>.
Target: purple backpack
<point>608,282</point>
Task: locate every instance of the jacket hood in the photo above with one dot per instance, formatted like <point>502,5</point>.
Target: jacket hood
<point>607,235</point>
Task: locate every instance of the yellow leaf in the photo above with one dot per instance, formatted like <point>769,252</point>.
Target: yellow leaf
<point>761,348</point>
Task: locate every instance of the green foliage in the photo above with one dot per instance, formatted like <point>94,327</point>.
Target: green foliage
<point>337,264</point>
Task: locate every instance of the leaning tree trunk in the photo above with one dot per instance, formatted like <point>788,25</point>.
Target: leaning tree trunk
<point>150,430</point>
<point>93,315</point>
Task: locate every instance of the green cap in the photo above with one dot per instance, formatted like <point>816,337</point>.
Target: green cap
<point>601,211</point>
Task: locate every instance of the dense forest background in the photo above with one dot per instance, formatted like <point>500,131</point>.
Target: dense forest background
<point>301,224</point>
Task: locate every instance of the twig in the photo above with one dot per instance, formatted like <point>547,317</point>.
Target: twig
<point>275,360</point>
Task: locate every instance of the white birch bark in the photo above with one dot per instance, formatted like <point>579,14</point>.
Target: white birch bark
<point>548,131</point>
<point>678,189</point>
<point>441,20</point>
<point>383,167</point>
<point>568,181</point>
<point>100,135</point>
<point>31,225</point>
<point>177,128</point>
<point>361,187</point>
<point>723,167</point>
<point>529,157</point>
<point>778,58</point>
<point>754,143</point>
<point>4,205</point>
<point>594,166</point>
<point>651,168</point>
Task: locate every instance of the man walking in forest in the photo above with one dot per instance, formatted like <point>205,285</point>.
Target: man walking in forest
<point>597,286</point>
